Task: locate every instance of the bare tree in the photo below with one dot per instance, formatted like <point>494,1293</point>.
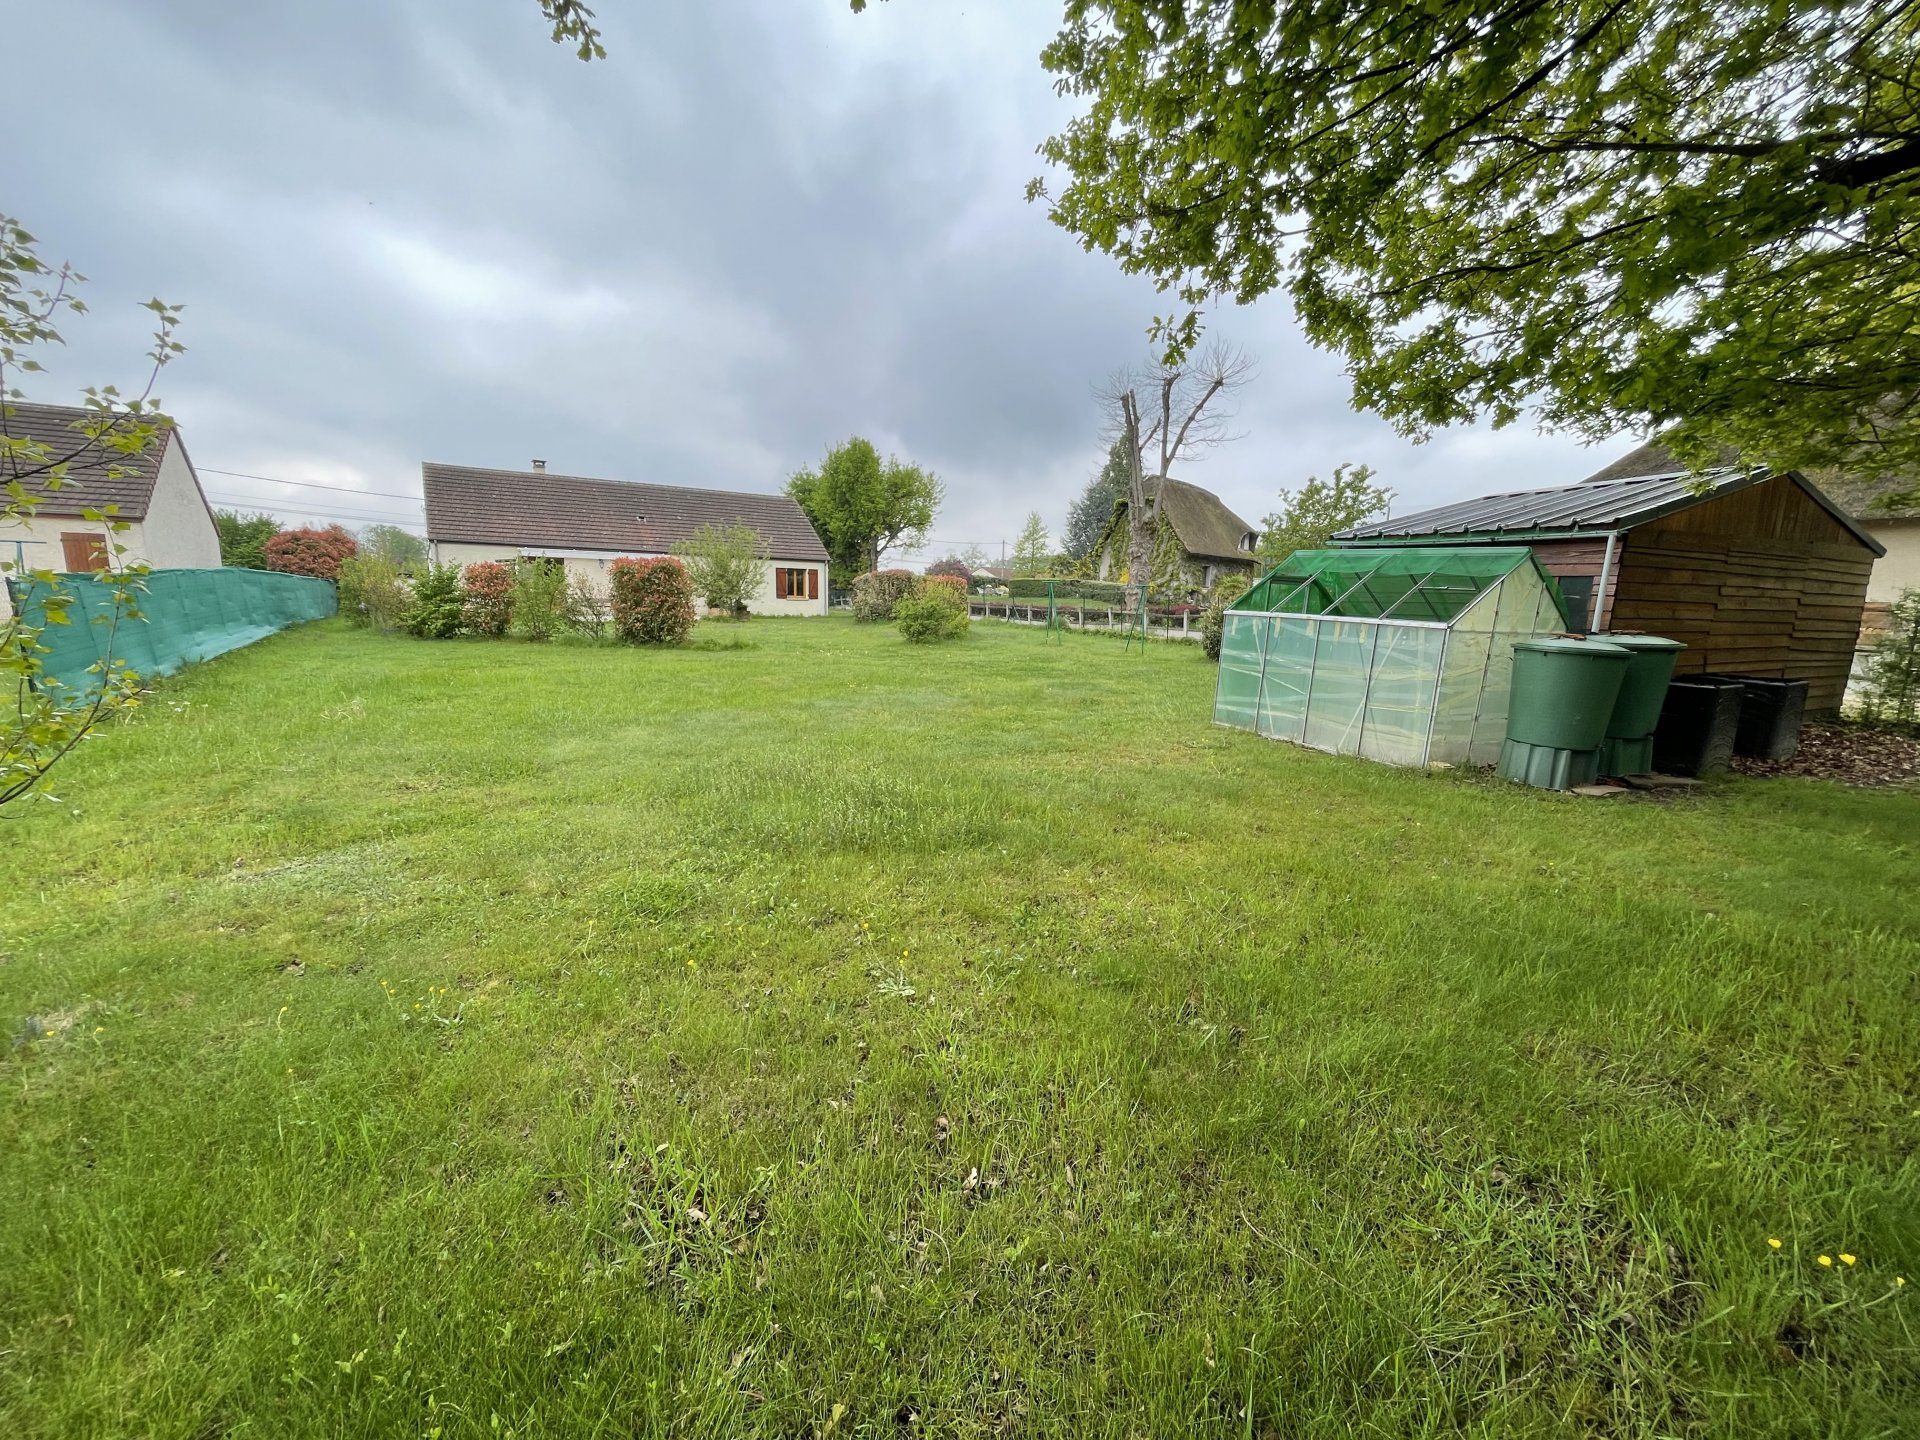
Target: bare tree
<point>1163,413</point>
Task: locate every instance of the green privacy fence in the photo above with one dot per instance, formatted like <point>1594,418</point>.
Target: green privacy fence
<point>186,615</point>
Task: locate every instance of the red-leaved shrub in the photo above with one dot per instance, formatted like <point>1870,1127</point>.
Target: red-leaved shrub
<point>953,565</point>
<point>311,551</point>
<point>489,586</point>
<point>652,601</point>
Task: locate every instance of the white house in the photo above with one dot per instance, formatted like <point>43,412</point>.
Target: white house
<point>475,514</point>
<point>156,494</point>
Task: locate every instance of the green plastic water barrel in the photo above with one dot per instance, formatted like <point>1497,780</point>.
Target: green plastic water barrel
<point>1564,692</point>
<point>1636,714</point>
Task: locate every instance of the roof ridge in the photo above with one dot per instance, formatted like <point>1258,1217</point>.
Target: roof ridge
<point>609,480</point>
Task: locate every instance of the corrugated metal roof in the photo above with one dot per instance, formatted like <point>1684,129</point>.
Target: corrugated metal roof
<point>1598,506</point>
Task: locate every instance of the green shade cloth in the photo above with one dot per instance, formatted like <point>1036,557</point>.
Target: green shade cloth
<point>1402,655</point>
<point>184,616</point>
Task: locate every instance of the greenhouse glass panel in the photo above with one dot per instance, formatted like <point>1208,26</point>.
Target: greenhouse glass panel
<point>1236,701</point>
<point>1338,686</point>
<point>1402,654</point>
<point>1291,642</point>
<point>1400,693</point>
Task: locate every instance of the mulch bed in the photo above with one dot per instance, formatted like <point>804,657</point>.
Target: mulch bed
<point>1851,754</point>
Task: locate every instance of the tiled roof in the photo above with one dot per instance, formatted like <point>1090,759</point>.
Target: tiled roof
<point>577,512</point>
<point>1598,505</point>
<point>90,481</point>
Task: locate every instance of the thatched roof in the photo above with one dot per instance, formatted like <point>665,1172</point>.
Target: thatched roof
<point>1202,523</point>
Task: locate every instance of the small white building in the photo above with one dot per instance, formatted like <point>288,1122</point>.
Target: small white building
<point>587,524</point>
<point>155,493</point>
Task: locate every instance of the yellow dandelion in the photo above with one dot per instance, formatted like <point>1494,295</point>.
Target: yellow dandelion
<point>1827,1260</point>
<point>1845,1259</point>
<point>1899,1280</point>
<point>1773,1242</point>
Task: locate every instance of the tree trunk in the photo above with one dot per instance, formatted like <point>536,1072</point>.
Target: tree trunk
<point>1139,523</point>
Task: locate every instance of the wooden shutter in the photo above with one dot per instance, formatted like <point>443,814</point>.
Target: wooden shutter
<point>813,584</point>
<point>83,550</point>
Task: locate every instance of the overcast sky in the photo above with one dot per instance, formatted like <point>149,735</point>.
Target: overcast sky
<point>414,229</point>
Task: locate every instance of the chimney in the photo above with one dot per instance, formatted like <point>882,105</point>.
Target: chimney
<point>540,467</point>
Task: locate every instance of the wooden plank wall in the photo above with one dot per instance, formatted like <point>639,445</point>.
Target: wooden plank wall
<point>1577,557</point>
<point>1763,582</point>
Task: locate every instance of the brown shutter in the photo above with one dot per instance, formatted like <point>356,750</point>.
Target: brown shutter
<point>813,584</point>
<point>83,550</point>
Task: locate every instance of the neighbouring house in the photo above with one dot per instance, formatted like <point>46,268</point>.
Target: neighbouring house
<point>586,524</point>
<point>1755,571</point>
<point>1197,539</point>
<point>155,493</point>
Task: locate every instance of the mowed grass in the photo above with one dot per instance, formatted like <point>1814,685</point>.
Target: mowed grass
<point>808,1034</point>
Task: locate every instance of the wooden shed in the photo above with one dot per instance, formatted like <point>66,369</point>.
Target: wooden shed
<point>1756,572</point>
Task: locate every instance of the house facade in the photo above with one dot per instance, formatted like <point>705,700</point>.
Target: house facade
<point>1755,571</point>
<point>156,494</point>
<point>586,524</point>
<point>1197,539</point>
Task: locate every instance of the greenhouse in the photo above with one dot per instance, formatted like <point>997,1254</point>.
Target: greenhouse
<point>1398,655</point>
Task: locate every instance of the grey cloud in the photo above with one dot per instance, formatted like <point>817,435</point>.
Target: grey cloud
<point>413,230</point>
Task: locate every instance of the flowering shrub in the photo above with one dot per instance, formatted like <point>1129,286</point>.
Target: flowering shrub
<point>937,610</point>
<point>877,592</point>
<point>316,552</point>
<point>652,601</point>
<point>438,604</point>
<point>489,587</point>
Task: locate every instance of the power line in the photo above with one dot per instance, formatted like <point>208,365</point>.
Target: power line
<point>403,522</point>
<point>310,484</point>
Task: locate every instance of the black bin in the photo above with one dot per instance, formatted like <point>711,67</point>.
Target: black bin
<point>1698,721</point>
<point>1771,712</point>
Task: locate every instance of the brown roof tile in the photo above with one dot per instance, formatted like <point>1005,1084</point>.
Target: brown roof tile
<point>91,480</point>
<point>538,508</point>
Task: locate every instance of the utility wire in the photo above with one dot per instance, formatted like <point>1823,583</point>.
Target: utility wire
<point>311,484</point>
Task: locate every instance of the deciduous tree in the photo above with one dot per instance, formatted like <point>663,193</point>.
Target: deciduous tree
<point>1697,213</point>
<point>1309,516</point>
<point>727,565</point>
<point>42,720</point>
<point>402,549</point>
<point>1164,412</point>
<point>243,538</point>
<point>863,506</point>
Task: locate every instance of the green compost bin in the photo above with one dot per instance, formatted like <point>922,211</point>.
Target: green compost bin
<point>1628,749</point>
<point>1563,697</point>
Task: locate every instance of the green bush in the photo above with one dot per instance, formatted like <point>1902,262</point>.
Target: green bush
<point>1891,692</point>
<point>876,593</point>
<point>934,611</point>
<point>539,599</point>
<point>1213,621</point>
<point>372,592</point>
<point>587,610</point>
<point>439,604</point>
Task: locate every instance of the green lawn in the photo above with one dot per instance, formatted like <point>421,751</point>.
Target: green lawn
<point>822,1035</point>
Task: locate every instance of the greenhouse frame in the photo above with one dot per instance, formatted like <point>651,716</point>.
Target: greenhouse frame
<point>1402,655</point>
